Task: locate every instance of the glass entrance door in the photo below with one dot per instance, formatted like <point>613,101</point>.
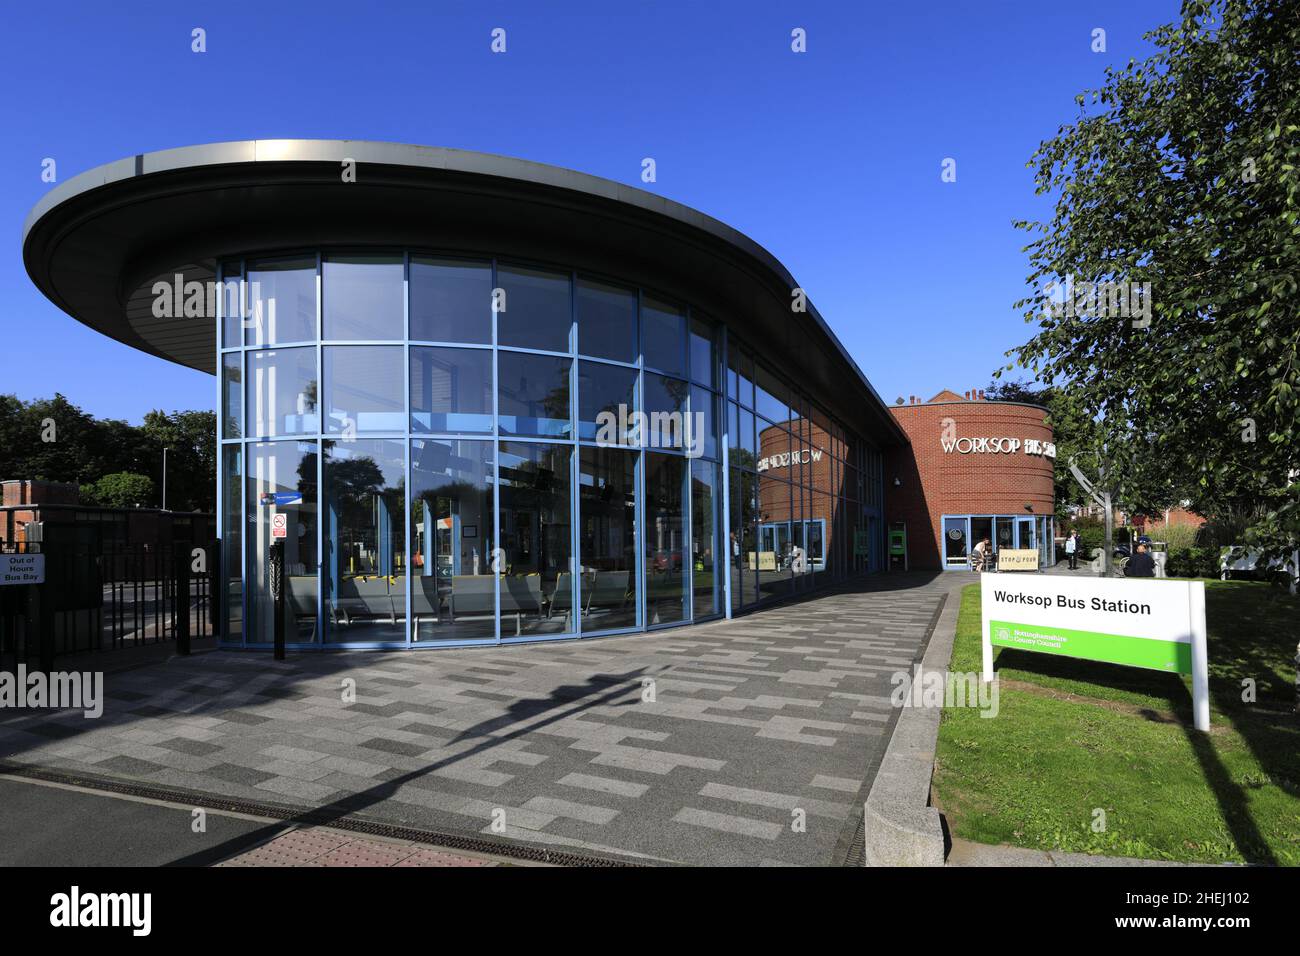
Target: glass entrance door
<point>1027,539</point>
<point>956,553</point>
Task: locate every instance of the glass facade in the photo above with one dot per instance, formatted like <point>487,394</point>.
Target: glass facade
<point>435,450</point>
<point>961,533</point>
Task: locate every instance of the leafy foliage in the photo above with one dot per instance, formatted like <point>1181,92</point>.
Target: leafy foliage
<point>1181,172</point>
<point>54,440</point>
<point>122,489</point>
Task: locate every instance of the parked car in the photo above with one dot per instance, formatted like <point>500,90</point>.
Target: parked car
<point>1241,562</point>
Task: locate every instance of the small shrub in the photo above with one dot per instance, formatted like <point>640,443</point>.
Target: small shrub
<point>1192,563</point>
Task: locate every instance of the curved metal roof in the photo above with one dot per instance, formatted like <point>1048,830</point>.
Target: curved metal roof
<point>95,244</point>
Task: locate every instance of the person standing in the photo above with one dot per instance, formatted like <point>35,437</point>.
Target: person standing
<point>1141,565</point>
<point>979,556</point>
<point>1072,550</point>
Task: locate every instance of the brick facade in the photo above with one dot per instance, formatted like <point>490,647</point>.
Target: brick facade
<point>933,482</point>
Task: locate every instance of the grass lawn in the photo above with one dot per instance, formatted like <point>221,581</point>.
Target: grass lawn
<point>1072,736</point>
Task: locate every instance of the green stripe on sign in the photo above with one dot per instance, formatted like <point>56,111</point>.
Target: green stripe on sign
<point>1170,656</point>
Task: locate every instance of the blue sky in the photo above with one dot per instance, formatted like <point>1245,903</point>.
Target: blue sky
<point>830,159</point>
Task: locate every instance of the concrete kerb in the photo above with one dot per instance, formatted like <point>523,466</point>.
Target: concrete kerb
<point>900,826</point>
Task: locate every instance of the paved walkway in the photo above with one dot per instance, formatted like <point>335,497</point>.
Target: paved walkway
<point>736,742</point>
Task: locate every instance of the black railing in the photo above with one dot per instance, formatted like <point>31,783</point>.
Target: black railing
<point>108,599</point>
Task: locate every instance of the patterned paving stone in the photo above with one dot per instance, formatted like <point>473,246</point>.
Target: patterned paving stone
<point>750,720</point>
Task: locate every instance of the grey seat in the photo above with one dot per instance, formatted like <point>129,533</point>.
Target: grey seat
<point>609,590</point>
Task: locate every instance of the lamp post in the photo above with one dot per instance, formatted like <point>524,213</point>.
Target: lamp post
<point>164,483</point>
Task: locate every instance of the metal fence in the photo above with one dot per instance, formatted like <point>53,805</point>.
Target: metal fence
<point>121,596</point>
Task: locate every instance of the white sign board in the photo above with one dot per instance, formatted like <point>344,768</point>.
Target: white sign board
<point>279,525</point>
<point>22,569</point>
<point>1155,624</point>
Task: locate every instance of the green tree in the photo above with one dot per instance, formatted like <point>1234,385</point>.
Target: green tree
<point>191,442</point>
<point>1181,172</point>
<point>122,489</point>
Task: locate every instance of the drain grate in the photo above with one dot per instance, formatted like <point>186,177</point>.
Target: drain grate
<point>314,817</point>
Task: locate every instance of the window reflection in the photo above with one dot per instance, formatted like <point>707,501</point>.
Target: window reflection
<point>365,541</point>
<point>606,389</point>
<point>607,532</point>
<point>451,390</point>
<point>453,529</point>
<point>537,563</point>
<point>364,389</point>
<point>281,392</point>
<point>705,576</point>
<point>665,407</point>
<point>663,336</point>
<point>451,301</point>
<point>606,321</point>
<point>363,297</point>
<point>232,396</point>
<point>666,569</point>
<point>533,394</point>
<point>281,299</point>
<point>281,503</point>
<point>537,312</point>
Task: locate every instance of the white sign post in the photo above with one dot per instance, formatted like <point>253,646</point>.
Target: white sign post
<point>1158,625</point>
<point>22,569</point>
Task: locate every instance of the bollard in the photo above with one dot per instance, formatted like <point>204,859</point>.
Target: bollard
<point>277,596</point>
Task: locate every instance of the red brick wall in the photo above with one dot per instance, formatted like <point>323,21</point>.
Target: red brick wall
<point>40,493</point>
<point>934,483</point>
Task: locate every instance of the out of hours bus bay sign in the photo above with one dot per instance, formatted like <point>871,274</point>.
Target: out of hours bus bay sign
<point>22,569</point>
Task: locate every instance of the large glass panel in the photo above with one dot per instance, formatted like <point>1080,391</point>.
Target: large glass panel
<point>365,540</point>
<point>1027,533</point>
<point>232,316</point>
<point>702,439</point>
<point>537,557</point>
<point>363,297</point>
<point>663,337</point>
<point>606,321</point>
<point>821,521</point>
<point>774,537</point>
<point>364,389</point>
<point>664,401</point>
<point>534,394</point>
<point>607,536</point>
<point>740,375</point>
<point>742,545</point>
<point>606,388</point>
<point>770,396</point>
<point>706,573</point>
<point>281,301</point>
<point>453,530</point>
<point>538,313</point>
<point>980,529</point>
<point>232,397</point>
<point>666,573</point>
<point>281,500</point>
<point>281,390</point>
<point>232,540</point>
<point>703,365</point>
<point>451,390</point>
<point>451,301</point>
<point>1006,533</point>
<point>747,445</point>
<point>955,548</point>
